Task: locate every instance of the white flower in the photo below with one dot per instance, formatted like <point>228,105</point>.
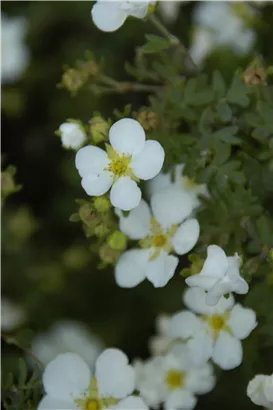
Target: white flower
<point>169,10</point>
<point>129,159</point>
<point>110,15</point>
<point>217,333</point>
<point>72,135</point>
<point>172,380</point>
<point>159,235</point>
<point>70,384</point>
<point>12,315</point>
<point>164,180</point>
<point>260,390</point>
<point>220,275</point>
<point>163,340</point>
<point>223,28</point>
<point>14,53</point>
<point>66,337</point>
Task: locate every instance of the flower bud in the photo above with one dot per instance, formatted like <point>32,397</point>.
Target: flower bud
<point>108,255</point>
<point>73,80</point>
<point>102,204</point>
<point>99,129</point>
<point>117,241</point>
<point>72,135</point>
<point>148,119</point>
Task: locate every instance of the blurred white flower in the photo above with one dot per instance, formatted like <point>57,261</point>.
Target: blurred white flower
<point>218,25</point>
<point>12,315</point>
<point>167,231</point>
<point>70,384</point>
<point>172,380</point>
<point>14,52</point>
<point>217,333</point>
<point>260,391</point>
<point>163,340</point>
<point>169,10</point>
<point>165,180</point>
<point>128,159</point>
<point>72,135</point>
<point>220,275</point>
<point>67,337</point>
<point>110,15</point>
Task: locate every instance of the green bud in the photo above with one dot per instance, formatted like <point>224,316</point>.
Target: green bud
<point>102,204</point>
<point>117,241</point>
<point>88,215</point>
<point>99,129</point>
<point>108,255</point>
<point>101,230</point>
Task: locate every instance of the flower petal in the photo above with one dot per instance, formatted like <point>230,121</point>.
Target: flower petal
<point>180,399</point>
<point>127,136</point>
<point>195,300</point>
<point>51,403</point>
<point>186,236</point>
<point>131,268</point>
<point>125,194</point>
<point>161,181</point>
<point>96,185</point>
<point>107,16</point>
<point>137,224</point>
<point>91,160</point>
<point>200,347</point>
<point>242,321</point>
<point>216,264</point>
<point>66,377</point>
<point>115,377</point>
<point>184,324</point>
<point>255,390</point>
<point>227,352</point>
<point>161,269</point>
<point>201,380</point>
<point>131,402</point>
<point>204,282</point>
<point>171,206</point>
<point>148,162</point>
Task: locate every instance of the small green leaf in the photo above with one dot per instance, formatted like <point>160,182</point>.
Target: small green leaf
<point>227,135</point>
<point>75,218</point>
<point>224,111</point>
<point>22,372</point>
<point>154,44</point>
<point>237,93</point>
<point>218,84</point>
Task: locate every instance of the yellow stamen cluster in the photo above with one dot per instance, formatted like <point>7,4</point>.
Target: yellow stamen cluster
<point>119,165</point>
<point>218,323</point>
<point>92,400</point>
<point>175,379</point>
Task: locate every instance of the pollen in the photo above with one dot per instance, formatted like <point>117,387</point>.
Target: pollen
<point>175,379</point>
<point>119,165</point>
<point>159,241</point>
<point>92,405</point>
<point>217,322</point>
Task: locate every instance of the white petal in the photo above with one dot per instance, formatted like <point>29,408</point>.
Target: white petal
<point>200,347</point>
<point>204,282</point>
<point>107,16</point>
<point>137,224</point>
<point>148,162</point>
<point>66,377</point>
<point>91,160</point>
<point>216,264</point>
<point>51,403</point>
<point>161,181</point>
<point>127,136</point>
<point>195,300</point>
<point>184,324</point>
<point>201,380</point>
<point>227,352</point>
<point>180,399</point>
<point>255,390</point>
<point>125,194</point>
<point>268,389</point>
<point>242,321</point>
<point>131,402</point>
<point>96,185</point>
<point>131,268</point>
<point>114,375</point>
<point>171,206</point>
<point>161,269</point>
<point>136,8</point>
<point>186,236</point>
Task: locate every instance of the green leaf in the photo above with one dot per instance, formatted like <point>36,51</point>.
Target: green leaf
<point>224,111</point>
<point>237,93</point>
<point>75,218</point>
<point>265,231</point>
<point>222,154</point>
<point>154,44</point>
<point>218,84</point>
<point>227,135</point>
<point>22,372</point>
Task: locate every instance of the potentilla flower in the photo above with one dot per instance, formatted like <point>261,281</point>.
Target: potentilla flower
<point>217,333</point>
<point>128,159</point>
<point>72,135</point>
<point>161,232</point>
<point>163,340</point>
<point>260,390</point>
<point>12,315</point>
<point>65,337</point>
<point>70,384</point>
<point>172,380</point>
<point>220,275</point>
<point>14,52</point>
<point>165,180</point>
<point>110,15</point>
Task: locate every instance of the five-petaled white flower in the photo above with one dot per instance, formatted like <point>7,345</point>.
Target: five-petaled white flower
<point>217,333</point>
<point>159,235</point>
<point>110,15</point>
<point>164,180</point>
<point>260,390</point>
<point>220,275</point>
<point>72,135</point>
<point>128,159</point>
<point>172,380</point>
<point>65,337</point>
<point>14,52</point>
<point>70,384</point>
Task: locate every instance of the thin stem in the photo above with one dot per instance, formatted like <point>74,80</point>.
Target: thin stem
<point>124,86</point>
<point>173,39</point>
<point>11,341</point>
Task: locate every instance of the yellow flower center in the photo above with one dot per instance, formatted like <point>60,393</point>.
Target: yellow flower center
<point>159,240</point>
<point>119,165</point>
<point>92,401</point>
<point>92,405</point>
<point>175,379</point>
<point>218,323</point>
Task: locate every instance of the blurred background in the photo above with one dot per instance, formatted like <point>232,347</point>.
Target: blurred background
<point>48,271</point>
